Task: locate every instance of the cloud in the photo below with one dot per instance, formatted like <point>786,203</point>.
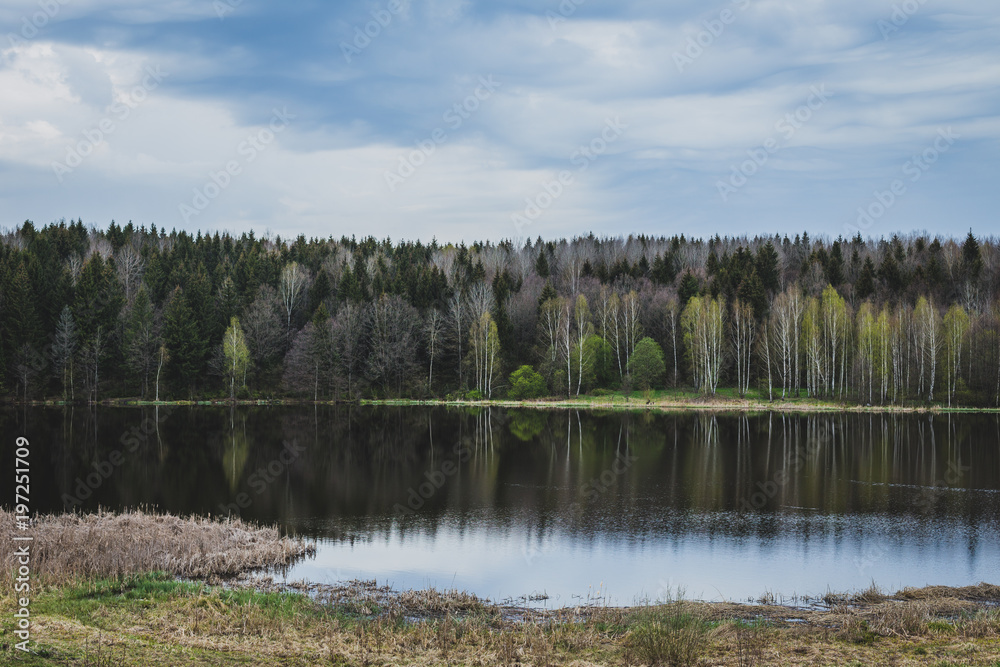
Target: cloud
<point>560,81</point>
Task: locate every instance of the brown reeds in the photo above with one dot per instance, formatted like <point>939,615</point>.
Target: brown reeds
<point>73,546</point>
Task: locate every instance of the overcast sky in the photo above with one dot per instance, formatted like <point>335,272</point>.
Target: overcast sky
<point>474,120</point>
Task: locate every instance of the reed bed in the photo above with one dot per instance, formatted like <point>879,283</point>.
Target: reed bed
<point>68,547</point>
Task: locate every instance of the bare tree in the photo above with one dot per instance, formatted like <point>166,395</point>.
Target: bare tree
<point>349,337</point>
<point>64,350</point>
<point>393,339</point>
<point>129,265</point>
<point>262,326</point>
<point>291,288</point>
<point>584,329</point>
<point>671,312</point>
<point>631,328</point>
<point>743,332</point>
<point>435,331</point>
<point>458,321</point>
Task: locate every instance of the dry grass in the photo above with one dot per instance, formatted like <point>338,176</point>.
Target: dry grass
<point>154,620</point>
<point>68,547</point>
<point>102,610</point>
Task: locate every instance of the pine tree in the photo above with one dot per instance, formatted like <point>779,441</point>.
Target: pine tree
<point>184,345</point>
<point>542,265</point>
<point>865,287</point>
<point>972,261</point>
<point>688,289</point>
<point>142,338</point>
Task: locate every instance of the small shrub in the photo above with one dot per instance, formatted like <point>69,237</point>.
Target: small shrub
<point>526,383</point>
<point>750,641</point>
<point>671,636</point>
<point>941,627</point>
<point>856,631</point>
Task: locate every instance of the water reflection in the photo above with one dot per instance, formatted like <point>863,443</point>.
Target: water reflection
<point>507,502</point>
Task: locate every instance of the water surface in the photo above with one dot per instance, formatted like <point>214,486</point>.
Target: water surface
<point>511,503</point>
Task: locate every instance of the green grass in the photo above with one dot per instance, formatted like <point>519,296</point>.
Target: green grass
<point>83,601</point>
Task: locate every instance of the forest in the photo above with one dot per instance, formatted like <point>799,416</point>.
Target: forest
<point>136,313</point>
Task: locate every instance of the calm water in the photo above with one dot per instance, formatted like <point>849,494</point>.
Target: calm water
<point>507,503</point>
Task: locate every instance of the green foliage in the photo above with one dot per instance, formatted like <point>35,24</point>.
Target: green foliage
<point>526,425</point>
<point>865,286</point>
<point>526,383</point>
<point>183,342</point>
<point>688,289</point>
<point>119,285</point>
<point>602,371</point>
<point>670,635</point>
<point>647,366</point>
<point>234,349</point>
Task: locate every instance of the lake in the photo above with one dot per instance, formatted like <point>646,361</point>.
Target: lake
<point>556,506</point>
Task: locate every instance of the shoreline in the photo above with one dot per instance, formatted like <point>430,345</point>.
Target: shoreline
<point>212,609</point>
<point>159,619</point>
<point>617,403</point>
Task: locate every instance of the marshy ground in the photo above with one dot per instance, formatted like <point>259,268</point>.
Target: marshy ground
<point>161,590</point>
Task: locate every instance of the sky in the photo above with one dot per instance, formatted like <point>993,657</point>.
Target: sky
<point>464,121</point>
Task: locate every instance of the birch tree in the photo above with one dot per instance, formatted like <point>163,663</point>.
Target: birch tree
<point>484,344</point>
<point>584,329</point>
<point>703,323</point>
<point>290,288</point>
<point>743,330</point>
<point>236,353</point>
<point>928,323</point>
<point>956,326</point>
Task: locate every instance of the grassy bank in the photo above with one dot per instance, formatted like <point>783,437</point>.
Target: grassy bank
<point>153,619</point>
<point>146,589</point>
<point>672,400</point>
<point>725,400</point>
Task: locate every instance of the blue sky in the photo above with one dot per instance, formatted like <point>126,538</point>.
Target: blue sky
<point>472,120</point>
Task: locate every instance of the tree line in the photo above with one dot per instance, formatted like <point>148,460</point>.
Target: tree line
<point>89,314</point>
